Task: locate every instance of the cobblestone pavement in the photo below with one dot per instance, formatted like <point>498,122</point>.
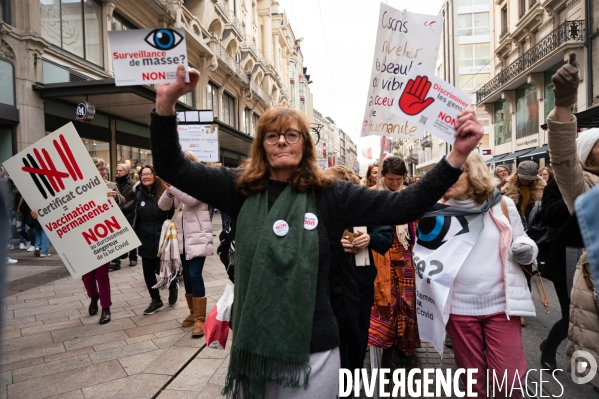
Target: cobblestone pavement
<point>51,347</point>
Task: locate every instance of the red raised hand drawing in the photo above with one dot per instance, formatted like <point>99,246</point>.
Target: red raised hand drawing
<point>412,101</point>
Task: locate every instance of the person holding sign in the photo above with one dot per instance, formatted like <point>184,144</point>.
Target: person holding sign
<point>575,162</point>
<point>286,333</point>
<point>473,243</point>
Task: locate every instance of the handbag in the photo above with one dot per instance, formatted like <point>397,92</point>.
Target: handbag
<point>217,324</point>
<point>534,270</point>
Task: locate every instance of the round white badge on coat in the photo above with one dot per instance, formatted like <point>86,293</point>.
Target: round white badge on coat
<point>310,221</point>
<point>143,203</point>
<point>281,228</point>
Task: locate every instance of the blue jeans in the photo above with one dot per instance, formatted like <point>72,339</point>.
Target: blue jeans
<point>192,276</point>
<point>41,241</point>
<point>26,233</point>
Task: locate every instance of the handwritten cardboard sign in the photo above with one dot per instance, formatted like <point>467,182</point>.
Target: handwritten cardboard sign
<point>404,40</point>
<point>58,179</point>
<point>144,56</point>
<point>202,140</point>
<point>431,103</point>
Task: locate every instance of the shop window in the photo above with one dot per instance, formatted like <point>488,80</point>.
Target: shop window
<point>133,157</point>
<point>503,123</point>
<point>6,143</point>
<point>527,112</point>
<point>228,110</point>
<point>75,26</point>
<point>99,149</point>
<point>470,55</point>
<point>473,24</point>
<point>7,82</point>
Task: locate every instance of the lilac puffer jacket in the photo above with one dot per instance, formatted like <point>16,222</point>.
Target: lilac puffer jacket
<point>194,227</point>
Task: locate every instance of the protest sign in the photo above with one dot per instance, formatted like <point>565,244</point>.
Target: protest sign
<point>443,244</point>
<point>403,40</point>
<point>144,56</point>
<point>58,179</point>
<point>323,164</point>
<point>431,103</point>
<point>202,140</point>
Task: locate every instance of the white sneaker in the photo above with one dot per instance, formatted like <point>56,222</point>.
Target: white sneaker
<point>22,246</point>
<point>10,261</point>
<point>9,247</point>
<point>31,248</point>
<point>44,255</point>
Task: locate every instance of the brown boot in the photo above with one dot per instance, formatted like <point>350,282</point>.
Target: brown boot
<point>199,316</point>
<point>188,322</point>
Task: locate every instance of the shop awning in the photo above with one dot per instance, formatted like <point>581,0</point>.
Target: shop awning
<point>511,158</point>
<point>496,158</point>
<point>585,119</point>
<point>536,154</point>
<point>132,103</point>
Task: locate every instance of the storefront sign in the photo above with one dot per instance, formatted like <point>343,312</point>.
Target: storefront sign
<point>59,181</point>
<point>202,140</point>
<point>323,164</point>
<point>403,40</point>
<point>527,143</point>
<point>85,112</point>
<point>431,103</point>
<point>143,56</point>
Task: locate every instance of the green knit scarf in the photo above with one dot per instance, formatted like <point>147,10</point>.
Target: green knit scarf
<point>275,295</point>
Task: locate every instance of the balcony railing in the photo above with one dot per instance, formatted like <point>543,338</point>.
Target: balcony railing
<point>503,33</point>
<point>248,43</point>
<point>235,23</point>
<point>569,31</point>
<point>221,6</point>
<point>257,89</point>
<point>229,61</point>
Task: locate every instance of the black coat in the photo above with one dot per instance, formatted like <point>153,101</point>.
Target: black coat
<point>148,223</point>
<point>381,239</point>
<point>126,187</point>
<point>555,214</point>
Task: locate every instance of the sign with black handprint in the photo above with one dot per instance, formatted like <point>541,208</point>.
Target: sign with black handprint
<point>431,103</point>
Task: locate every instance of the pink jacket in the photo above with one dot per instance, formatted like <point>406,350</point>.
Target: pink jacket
<point>194,227</point>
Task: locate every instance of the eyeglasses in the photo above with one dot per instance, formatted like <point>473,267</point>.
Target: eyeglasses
<point>147,174</point>
<point>291,137</point>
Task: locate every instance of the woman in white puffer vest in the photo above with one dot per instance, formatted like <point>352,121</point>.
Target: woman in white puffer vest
<point>194,234</point>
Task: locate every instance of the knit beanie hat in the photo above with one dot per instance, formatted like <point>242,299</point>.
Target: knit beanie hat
<point>585,142</point>
<point>125,167</point>
<point>528,170</point>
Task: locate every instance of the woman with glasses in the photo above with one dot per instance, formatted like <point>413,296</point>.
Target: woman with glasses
<point>147,224</point>
<point>286,335</point>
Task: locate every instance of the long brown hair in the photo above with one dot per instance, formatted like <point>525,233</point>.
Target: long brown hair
<point>253,177</point>
<point>342,173</point>
<point>158,182</point>
<point>369,173</point>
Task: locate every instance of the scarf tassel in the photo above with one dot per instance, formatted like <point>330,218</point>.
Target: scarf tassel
<point>172,268</point>
<point>257,368</point>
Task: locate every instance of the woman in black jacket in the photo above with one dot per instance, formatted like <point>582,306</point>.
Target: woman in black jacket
<point>148,225</point>
<point>554,214</point>
<point>375,238</point>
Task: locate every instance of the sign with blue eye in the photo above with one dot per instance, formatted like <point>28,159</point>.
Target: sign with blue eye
<point>144,56</point>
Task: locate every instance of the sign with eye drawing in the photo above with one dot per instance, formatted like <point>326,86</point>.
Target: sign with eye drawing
<point>443,243</point>
<point>144,56</point>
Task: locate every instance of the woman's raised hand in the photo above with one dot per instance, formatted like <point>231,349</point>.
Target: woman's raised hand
<point>468,134</point>
<point>167,94</point>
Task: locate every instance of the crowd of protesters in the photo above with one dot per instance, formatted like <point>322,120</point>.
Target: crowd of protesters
<point>310,298</point>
